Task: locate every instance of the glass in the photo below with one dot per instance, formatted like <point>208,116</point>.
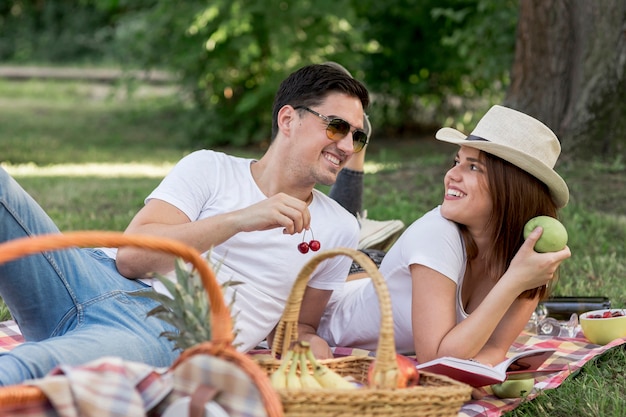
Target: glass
<point>542,324</point>
<point>338,128</point>
<point>554,327</point>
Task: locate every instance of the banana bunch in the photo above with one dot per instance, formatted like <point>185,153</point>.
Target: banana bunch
<point>300,358</point>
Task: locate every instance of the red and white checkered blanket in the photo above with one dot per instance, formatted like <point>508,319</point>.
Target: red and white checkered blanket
<point>571,354</point>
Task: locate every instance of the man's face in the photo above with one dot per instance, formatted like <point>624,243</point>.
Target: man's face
<point>320,155</point>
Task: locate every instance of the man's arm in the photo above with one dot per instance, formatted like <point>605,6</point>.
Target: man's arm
<point>313,304</point>
<point>160,218</point>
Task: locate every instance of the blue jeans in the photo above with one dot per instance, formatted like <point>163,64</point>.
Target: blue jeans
<point>71,305</point>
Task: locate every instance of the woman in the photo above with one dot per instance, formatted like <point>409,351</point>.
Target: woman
<point>463,281</point>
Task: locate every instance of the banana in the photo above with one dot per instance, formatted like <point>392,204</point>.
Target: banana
<point>330,379</point>
<point>326,376</point>
<point>307,380</point>
<point>279,376</point>
<point>293,382</point>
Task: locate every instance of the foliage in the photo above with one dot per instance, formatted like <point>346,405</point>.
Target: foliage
<point>188,309</point>
<point>232,54</point>
<point>421,59</point>
<point>53,31</point>
<point>431,53</point>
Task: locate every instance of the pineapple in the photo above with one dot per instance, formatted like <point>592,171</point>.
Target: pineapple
<point>188,311</point>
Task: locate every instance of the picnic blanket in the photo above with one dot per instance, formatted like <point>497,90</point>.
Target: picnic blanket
<point>571,354</point>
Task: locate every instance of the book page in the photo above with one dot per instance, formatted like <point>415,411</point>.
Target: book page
<point>525,361</point>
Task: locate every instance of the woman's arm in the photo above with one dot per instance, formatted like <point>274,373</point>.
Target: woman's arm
<point>435,330</point>
<point>493,325</point>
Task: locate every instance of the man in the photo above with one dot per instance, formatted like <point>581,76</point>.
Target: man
<point>74,306</point>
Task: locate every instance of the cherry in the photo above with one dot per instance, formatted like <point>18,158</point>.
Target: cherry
<point>315,245</point>
<point>304,247</point>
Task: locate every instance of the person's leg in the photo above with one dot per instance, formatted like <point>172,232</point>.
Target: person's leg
<point>113,322</point>
<point>348,190</point>
<point>50,294</point>
<point>113,326</point>
<point>43,291</point>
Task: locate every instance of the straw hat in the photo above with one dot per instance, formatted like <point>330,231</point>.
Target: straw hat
<point>519,139</point>
<point>367,127</point>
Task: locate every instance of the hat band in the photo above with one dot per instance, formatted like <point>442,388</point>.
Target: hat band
<point>474,137</point>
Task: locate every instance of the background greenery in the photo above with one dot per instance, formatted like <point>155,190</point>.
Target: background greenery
<point>120,148</point>
<point>90,153</point>
<point>428,61</point>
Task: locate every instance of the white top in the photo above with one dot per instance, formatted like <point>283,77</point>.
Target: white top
<point>206,183</point>
<point>352,317</point>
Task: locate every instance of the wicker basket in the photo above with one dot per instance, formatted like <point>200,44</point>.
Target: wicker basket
<point>434,396</point>
<point>16,398</point>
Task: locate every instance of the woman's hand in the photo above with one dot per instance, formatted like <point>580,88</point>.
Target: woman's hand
<point>530,269</point>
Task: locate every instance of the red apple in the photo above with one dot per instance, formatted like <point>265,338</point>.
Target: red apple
<point>408,375</point>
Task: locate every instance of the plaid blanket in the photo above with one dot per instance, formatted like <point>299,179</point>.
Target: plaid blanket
<point>571,353</point>
<point>10,335</point>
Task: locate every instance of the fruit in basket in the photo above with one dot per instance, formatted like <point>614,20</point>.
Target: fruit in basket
<point>278,378</point>
<point>306,379</point>
<point>554,236</point>
<point>293,380</point>
<point>513,388</point>
<point>407,376</point>
<point>326,377</point>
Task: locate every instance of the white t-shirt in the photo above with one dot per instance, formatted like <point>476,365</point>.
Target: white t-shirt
<point>352,317</point>
<point>206,183</point>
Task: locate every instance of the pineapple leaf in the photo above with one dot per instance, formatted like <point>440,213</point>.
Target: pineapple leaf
<point>188,308</point>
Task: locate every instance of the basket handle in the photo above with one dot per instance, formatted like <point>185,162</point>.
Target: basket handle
<point>221,321</point>
<point>287,329</point>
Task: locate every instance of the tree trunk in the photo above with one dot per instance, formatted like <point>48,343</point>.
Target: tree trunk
<point>569,72</point>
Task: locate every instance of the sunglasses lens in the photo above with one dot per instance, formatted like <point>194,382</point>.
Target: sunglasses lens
<point>337,129</point>
<point>359,140</point>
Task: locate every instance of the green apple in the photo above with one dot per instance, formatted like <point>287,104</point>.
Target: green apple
<point>554,237</point>
<point>513,388</point>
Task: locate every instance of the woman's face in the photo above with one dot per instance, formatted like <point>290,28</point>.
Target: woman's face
<point>467,199</point>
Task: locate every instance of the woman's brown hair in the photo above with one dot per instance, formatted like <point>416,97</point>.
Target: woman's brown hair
<point>516,197</point>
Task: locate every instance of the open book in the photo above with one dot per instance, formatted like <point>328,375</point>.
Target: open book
<point>522,365</point>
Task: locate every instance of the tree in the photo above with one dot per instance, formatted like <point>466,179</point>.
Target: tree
<point>231,55</point>
<point>569,72</point>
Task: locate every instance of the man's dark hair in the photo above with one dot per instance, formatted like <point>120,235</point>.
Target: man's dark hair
<point>310,85</point>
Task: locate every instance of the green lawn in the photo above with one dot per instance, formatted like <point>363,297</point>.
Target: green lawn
<point>89,157</point>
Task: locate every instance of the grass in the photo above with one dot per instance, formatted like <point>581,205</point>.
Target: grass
<point>89,156</point>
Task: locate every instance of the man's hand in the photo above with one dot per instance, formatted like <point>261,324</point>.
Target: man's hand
<point>280,210</point>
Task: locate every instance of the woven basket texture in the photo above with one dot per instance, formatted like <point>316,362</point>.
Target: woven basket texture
<point>23,399</point>
<point>435,395</point>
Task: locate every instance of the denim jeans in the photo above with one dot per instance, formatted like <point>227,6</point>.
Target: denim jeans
<point>71,305</point>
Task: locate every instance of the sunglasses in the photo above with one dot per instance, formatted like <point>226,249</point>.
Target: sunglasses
<point>338,128</point>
